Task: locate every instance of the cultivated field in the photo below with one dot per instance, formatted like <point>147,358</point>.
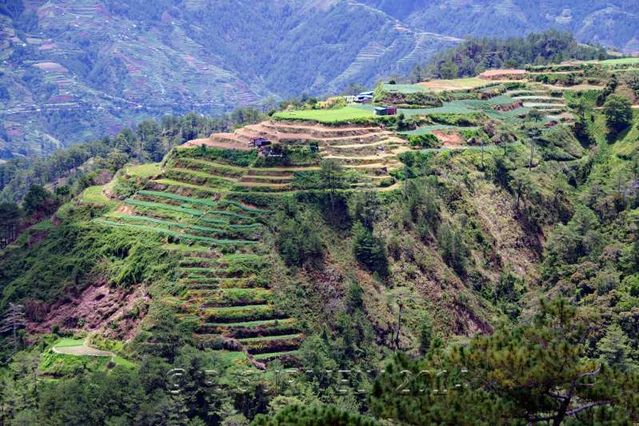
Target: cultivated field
<point>339,115</point>
<point>457,84</point>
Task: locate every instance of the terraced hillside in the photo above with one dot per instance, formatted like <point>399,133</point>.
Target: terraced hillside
<point>207,201</point>
<point>550,102</point>
<point>218,241</point>
<point>369,151</point>
<point>196,204</point>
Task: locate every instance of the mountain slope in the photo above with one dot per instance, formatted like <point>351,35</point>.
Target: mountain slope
<point>611,23</point>
<point>76,69</point>
<point>72,70</point>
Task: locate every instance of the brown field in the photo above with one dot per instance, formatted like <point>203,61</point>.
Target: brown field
<point>213,143</point>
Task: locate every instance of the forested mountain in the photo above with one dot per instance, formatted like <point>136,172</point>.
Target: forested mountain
<point>72,70</point>
<point>456,252</point>
<point>474,56</point>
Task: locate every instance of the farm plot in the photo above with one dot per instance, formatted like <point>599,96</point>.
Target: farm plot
<point>620,61</point>
<point>457,84</point>
<point>338,115</point>
<point>405,88</point>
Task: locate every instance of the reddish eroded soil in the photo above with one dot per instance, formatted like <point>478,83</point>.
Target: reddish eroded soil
<point>112,312</point>
<point>450,139</point>
<point>124,209</point>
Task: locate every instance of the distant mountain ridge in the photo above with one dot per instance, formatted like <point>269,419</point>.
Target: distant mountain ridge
<point>72,70</point>
<point>611,23</point>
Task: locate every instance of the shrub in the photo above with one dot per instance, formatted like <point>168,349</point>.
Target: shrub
<point>229,156</point>
<point>298,242</point>
<point>427,140</point>
<point>369,250</point>
<point>618,112</point>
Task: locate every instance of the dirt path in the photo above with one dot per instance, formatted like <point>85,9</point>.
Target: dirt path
<point>82,350</point>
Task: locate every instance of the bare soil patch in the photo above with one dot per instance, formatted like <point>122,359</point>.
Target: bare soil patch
<point>214,143</point>
<point>113,312</point>
<point>450,139</point>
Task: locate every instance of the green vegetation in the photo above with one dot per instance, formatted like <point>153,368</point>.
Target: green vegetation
<point>477,55</point>
<point>495,379</point>
<point>330,116</point>
<point>618,112</point>
<point>143,170</point>
<point>424,140</point>
<point>95,195</point>
<point>620,61</point>
<point>403,88</point>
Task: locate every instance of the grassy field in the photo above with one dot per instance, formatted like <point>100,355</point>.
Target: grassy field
<point>454,107</point>
<point>404,88</point>
<point>620,61</point>
<point>59,365</point>
<point>326,115</point>
<point>69,342</point>
<point>94,195</point>
<point>144,170</point>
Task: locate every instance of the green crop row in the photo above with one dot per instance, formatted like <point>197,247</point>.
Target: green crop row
<point>228,156</point>
<point>182,198</point>
<point>243,313</point>
<point>209,167</point>
<point>199,178</point>
<point>176,235</point>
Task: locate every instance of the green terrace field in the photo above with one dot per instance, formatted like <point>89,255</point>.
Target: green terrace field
<point>464,106</point>
<point>620,61</point>
<point>423,130</point>
<point>220,271</point>
<point>338,115</point>
<point>143,170</point>
<point>404,88</point>
<point>95,195</point>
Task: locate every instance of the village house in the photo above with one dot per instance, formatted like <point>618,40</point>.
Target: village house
<point>385,110</point>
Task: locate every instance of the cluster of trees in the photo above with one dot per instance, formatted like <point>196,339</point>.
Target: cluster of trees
<point>539,372</point>
<point>618,112</point>
<point>475,56</point>
<point>37,204</point>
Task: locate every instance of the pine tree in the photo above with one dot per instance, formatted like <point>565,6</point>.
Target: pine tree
<point>615,348</point>
<point>13,320</point>
<point>369,250</point>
